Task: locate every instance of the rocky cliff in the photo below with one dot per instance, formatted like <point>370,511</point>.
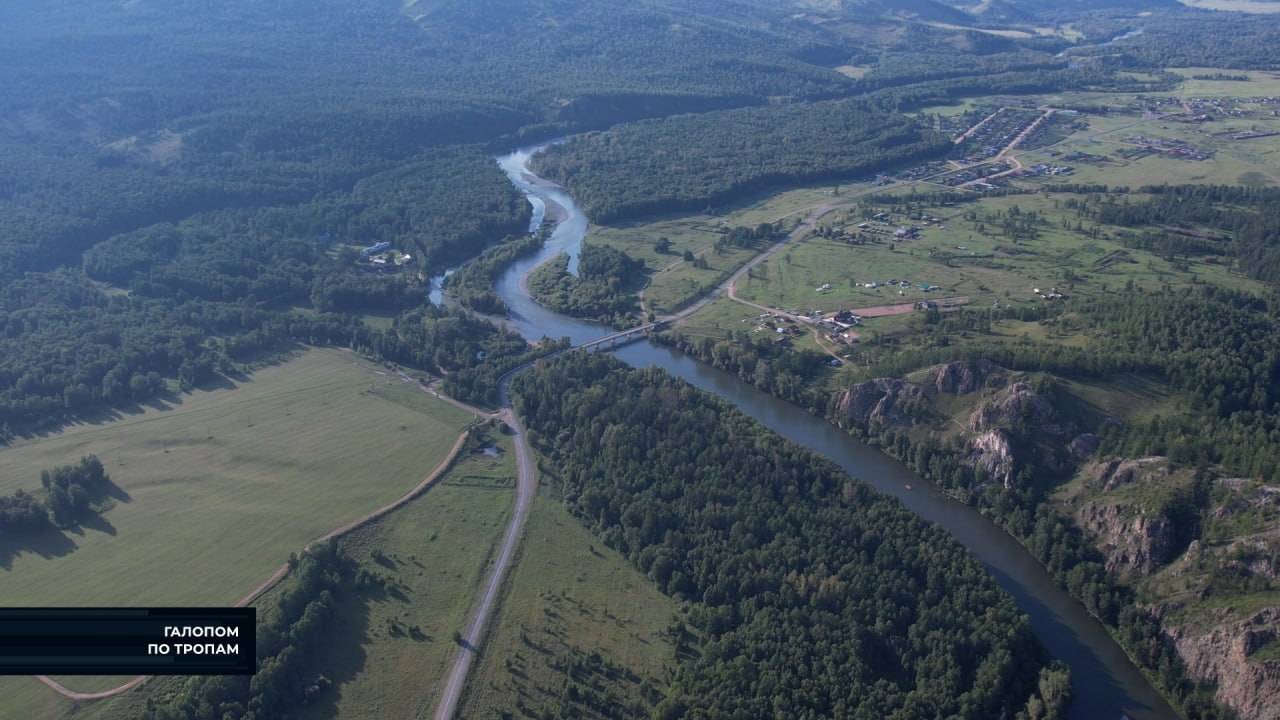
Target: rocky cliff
<point>1225,654</point>
<point>993,453</point>
<point>1123,513</point>
<point>964,377</point>
<point>883,402</point>
<point>1021,408</point>
<point>1133,542</point>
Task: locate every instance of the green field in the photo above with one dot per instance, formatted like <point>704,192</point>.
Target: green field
<point>1245,6</point>
<point>1250,161</point>
<point>219,488</point>
<point>722,316</point>
<point>675,282</point>
<point>391,649</point>
<point>24,698</point>
<point>1232,162</point>
<point>970,258</point>
<point>570,598</point>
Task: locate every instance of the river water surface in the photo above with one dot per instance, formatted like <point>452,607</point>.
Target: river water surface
<point>1105,683</point>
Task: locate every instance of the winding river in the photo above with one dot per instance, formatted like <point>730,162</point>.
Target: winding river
<point>1106,685</point>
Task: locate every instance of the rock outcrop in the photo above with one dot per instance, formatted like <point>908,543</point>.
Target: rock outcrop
<point>1019,407</point>
<point>1117,473</point>
<point>1084,446</point>
<point>1222,655</point>
<point>1133,543</point>
<point>993,453</point>
<point>964,377</point>
<point>882,402</point>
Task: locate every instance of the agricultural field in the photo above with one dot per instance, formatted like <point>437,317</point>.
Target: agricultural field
<point>391,647</point>
<point>572,602</point>
<point>217,488</point>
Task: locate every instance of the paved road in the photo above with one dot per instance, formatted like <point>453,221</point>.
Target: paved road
<point>526,488</point>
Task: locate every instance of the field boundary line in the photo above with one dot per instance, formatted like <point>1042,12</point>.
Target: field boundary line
<point>283,571</point>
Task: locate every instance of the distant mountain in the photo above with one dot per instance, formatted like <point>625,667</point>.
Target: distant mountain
<point>920,10</point>
<point>1030,10</point>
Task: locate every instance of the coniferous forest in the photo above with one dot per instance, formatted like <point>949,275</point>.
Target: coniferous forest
<point>812,595</point>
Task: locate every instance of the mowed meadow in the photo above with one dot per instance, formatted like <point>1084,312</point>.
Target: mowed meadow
<point>216,491</point>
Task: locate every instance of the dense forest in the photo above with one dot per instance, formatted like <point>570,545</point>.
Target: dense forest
<point>1204,39</point>
<point>227,180</point>
<point>690,162</point>
<point>604,288</point>
<point>766,540</point>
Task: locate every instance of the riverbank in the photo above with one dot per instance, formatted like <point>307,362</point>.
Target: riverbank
<point>1105,682</point>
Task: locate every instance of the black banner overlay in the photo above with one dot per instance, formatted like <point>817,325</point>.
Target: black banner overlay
<point>128,641</point>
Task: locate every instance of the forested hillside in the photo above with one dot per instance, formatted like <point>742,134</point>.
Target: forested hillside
<point>224,164</point>
<point>692,161</point>
<point>811,595</point>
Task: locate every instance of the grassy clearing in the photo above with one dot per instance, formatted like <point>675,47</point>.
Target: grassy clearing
<point>433,552</point>
<point>1262,83</point>
<point>1232,161</point>
<point>25,698</point>
<point>391,649</point>
<point>1244,6</point>
<point>571,598</point>
<point>723,316</point>
<point>217,490</point>
<point>674,281</point>
<point>969,258</point>
<point>1251,161</point>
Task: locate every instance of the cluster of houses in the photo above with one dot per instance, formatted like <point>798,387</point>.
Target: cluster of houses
<point>1047,170</point>
<point>970,175</point>
<point>383,258</point>
<point>1051,294</point>
<point>1170,147</point>
<point>998,132</point>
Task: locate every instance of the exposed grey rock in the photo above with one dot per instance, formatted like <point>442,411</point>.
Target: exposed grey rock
<point>993,452</point>
<point>1084,446</point>
<point>1221,655</point>
<point>1117,473</point>
<point>883,402</point>
<point>1133,543</point>
<point>1021,407</point>
<point>964,377</point>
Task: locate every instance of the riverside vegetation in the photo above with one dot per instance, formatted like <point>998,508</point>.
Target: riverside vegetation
<point>161,240</point>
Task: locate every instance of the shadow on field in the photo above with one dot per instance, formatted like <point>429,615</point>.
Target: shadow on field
<point>166,400</point>
<point>55,542</point>
<point>48,544</point>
